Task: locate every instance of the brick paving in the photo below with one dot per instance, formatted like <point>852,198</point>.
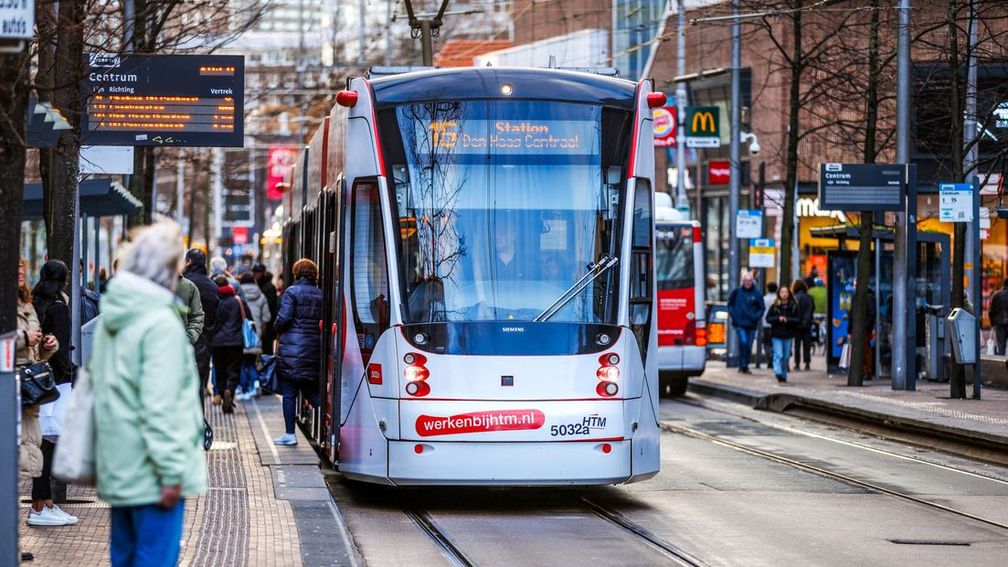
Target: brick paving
<point>238,522</point>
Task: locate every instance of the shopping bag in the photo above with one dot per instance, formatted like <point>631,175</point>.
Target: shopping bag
<point>74,460</point>
<point>268,379</point>
<point>845,355</point>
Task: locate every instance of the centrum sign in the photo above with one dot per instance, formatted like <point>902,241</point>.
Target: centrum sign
<point>17,19</point>
<point>861,187</point>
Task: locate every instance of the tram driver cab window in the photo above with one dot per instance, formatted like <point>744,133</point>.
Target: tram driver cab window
<point>370,272</point>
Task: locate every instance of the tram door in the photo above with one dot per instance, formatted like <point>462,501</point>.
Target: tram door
<point>331,316</point>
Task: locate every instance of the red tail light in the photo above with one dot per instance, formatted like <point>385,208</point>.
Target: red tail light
<point>656,99</point>
<point>697,234</point>
<point>701,334</point>
<point>346,98</point>
<point>416,374</point>
<point>607,374</point>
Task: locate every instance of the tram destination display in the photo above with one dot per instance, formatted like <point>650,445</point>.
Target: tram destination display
<point>164,100</point>
<point>861,187</point>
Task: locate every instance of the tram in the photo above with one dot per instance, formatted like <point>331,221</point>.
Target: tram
<point>485,238</point>
<point>679,271</point>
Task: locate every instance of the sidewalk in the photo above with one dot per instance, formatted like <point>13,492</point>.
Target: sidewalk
<point>928,409</point>
<point>266,505</point>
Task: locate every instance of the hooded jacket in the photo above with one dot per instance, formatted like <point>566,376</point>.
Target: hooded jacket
<point>148,421</point>
<point>298,323</point>
<point>259,308</point>
<point>745,307</point>
<point>197,274</point>
<point>193,319</point>
<point>228,331</point>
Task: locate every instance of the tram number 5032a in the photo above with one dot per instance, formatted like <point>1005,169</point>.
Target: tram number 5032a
<point>569,429</point>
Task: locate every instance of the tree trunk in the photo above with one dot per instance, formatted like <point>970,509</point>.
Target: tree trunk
<point>859,332</point>
<point>14,71</point>
<point>60,183</point>
<point>791,164</point>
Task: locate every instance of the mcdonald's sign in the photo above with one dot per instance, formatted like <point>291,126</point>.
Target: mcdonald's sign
<point>703,127</point>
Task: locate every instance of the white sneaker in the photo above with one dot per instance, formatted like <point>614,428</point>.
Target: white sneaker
<point>286,439</point>
<point>71,519</point>
<point>46,517</point>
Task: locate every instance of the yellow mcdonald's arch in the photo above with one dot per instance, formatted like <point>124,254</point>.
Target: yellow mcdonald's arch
<point>706,120</point>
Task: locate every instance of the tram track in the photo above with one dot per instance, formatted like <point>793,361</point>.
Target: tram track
<point>673,552</point>
<point>826,473</point>
<point>444,542</point>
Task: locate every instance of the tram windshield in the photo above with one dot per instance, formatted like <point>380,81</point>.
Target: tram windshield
<point>504,205</point>
<point>674,257</point>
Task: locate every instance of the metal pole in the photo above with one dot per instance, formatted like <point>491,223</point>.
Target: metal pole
<point>972,268</point>
<point>426,44</point>
<point>975,283</point>
<point>736,169</point>
<point>10,410</point>
<point>361,40</point>
<point>218,203</point>
<point>180,191</point>
<point>388,32</point>
<point>903,318</point>
<point>680,194</point>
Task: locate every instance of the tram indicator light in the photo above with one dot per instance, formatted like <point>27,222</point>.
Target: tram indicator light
<point>656,99</point>
<point>346,98</point>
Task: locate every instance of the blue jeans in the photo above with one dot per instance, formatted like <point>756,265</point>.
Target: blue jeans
<point>290,389</point>
<point>249,374</point>
<point>146,536</point>
<point>781,356</point>
<point>745,339</point>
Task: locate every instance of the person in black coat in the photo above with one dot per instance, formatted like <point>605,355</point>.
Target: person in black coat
<point>299,352</point>
<point>803,331</point>
<point>783,319</point>
<point>228,342</point>
<point>265,281</point>
<point>196,272</point>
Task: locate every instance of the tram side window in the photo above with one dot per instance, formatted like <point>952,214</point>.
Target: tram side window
<point>370,272</point>
<point>641,271</point>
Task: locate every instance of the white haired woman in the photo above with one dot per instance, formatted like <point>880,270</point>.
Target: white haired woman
<point>149,427</point>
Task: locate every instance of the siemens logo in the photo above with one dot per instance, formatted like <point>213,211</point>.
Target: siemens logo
<point>513,329</point>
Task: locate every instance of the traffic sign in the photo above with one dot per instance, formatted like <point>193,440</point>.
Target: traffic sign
<point>164,100</point>
<point>664,121</point>
<point>703,127</point>
<point>955,202</point>
<point>749,224</point>
<point>17,19</point>
<point>762,253</point>
<point>861,187</point>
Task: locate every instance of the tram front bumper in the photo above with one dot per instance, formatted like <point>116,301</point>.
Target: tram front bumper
<point>510,463</point>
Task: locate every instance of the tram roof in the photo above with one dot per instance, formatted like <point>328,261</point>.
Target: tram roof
<point>461,83</point>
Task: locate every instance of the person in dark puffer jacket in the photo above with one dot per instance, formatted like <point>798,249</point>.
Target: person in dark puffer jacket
<point>298,355</point>
<point>228,343</point>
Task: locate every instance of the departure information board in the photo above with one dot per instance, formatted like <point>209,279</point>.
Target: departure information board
<point>164,100</point>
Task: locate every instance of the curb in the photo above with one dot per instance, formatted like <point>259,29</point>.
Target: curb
<point>780,403</point>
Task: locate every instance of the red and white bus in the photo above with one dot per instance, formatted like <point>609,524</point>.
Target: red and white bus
<point>682,329</point>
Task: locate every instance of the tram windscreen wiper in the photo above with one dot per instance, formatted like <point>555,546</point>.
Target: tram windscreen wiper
<point>595,269</point>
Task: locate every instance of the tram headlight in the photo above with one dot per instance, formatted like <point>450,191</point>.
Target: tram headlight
<point>416,374</point>
<point>608,373</point>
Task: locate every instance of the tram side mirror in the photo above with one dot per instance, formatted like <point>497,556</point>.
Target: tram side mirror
<point>640,276</point>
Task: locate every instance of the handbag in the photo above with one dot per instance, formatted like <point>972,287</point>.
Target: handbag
<point>250,339</point>
<point>268,379</point>
<point>845,356</point>
<point>74,460</point>
<point>38,385</point>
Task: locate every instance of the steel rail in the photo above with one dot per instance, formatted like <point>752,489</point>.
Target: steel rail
<point>696,434</point>
<point>445,543</point>
<point>672,551</point>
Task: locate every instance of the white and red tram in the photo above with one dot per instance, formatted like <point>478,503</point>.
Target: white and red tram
<point>485,238</point>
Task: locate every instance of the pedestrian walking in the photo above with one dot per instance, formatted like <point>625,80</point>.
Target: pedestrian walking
<point>745,306</point>
<point>196,272</point>
<point>767,345</point>
<point>52,307</point>
<point>228,342</point>
<point>783,318</point>
<point>259,311</point>
<point>803,330</point>
<point>148,425</point>
<point>34,346</point>
<point>192,316</point>
<point>298,354</point>
<point>998,316</point>
<point>265,280</point>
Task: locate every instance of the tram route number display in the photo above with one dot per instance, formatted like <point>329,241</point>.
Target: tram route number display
<point>861,187</point>
<point>164,100</point>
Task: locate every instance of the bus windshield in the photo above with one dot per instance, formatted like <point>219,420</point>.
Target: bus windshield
<point>503,205</point>
<point>674,257</point>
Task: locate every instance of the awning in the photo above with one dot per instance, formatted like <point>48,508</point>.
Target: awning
<point>99,198</point>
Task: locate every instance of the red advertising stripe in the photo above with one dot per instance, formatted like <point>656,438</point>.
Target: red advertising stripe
<point>480,422</point>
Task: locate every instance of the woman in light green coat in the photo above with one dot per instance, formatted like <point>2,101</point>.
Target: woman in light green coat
<point>149,427</point>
